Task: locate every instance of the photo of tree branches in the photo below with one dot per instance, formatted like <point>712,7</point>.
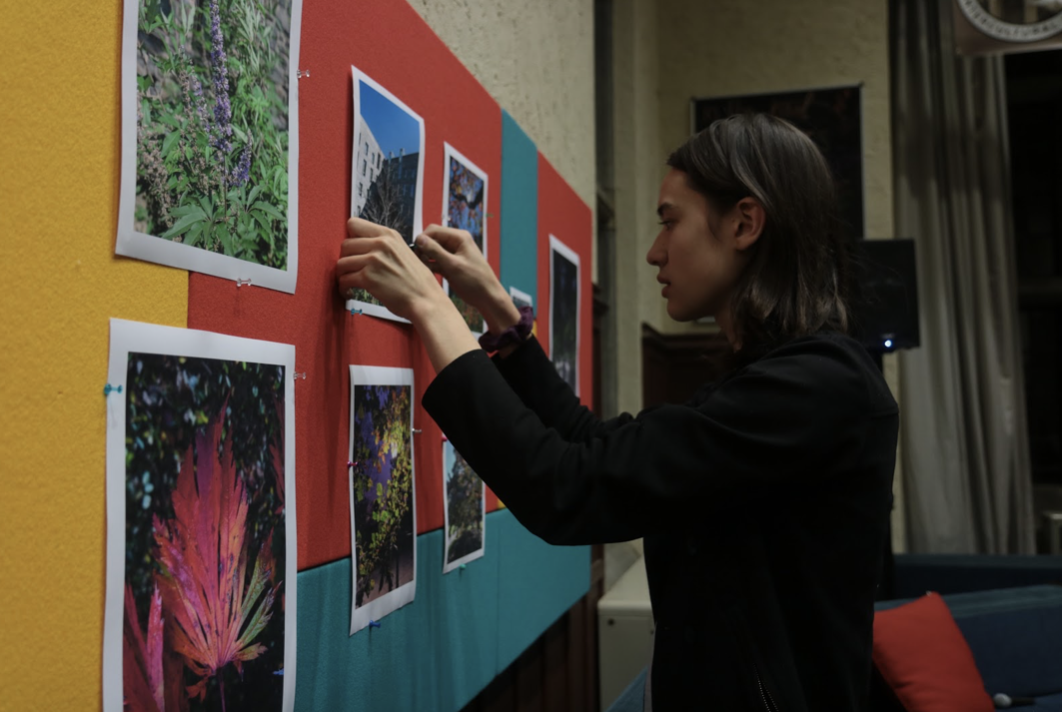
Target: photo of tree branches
<point>212,125</point>
<point>832,118</point>
<point>205,534</point>
<point>384,534</point>
<point>464,506</point>
<point>465,211</point>
<point>564,316</point>
<point>386,167</point>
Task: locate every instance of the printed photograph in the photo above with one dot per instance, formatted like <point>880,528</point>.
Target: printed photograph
<point>383,522</point>
<point>832,118</point>
<point>209,134</point>
<point>564,311</point>
<point>465,206</point>
<point>387,170</point>
<point>520,299</point>
<point>205,611</point>
<point>465,512</point>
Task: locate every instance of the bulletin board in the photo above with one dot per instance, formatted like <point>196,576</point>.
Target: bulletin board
<point>462,628</point>
<point>466,627</point>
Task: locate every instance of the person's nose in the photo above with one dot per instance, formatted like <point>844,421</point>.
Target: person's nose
<point>657,255</point>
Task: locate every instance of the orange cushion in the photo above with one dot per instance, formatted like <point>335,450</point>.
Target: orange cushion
<point>922,655</point>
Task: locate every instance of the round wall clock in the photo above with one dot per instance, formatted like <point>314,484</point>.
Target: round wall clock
<point>1015,20</point>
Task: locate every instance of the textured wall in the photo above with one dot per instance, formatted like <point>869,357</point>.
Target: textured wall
<point>537,60</point>
<point>59,150</point>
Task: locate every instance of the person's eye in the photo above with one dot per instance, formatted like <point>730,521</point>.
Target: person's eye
<point>667,223</point>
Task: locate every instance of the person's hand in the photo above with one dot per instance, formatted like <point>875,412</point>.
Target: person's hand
<point>378,260</point>
<point>454,254</point>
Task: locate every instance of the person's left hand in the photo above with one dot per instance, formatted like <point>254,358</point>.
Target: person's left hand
<point>376,259</point>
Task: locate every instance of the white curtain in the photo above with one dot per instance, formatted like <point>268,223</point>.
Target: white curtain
<point>967,480</point>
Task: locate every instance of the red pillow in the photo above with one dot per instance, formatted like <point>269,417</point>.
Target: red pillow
<point>921,653</point>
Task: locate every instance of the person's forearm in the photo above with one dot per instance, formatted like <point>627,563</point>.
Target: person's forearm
<point>499,311</point>
<point>443,331</point>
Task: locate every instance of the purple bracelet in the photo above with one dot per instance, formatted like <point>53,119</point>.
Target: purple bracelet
<point>515,334</point>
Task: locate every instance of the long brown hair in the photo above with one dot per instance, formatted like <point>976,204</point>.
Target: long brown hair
<point>796,282</point>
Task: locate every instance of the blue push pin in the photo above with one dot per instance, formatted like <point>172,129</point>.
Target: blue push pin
<point>463,566</point>
<point>374,624</point>
<point>355,312</point>
<point>108,389</point>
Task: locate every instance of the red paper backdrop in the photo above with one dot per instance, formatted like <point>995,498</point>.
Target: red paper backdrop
<point>390,43</point>
<point>562,214</point>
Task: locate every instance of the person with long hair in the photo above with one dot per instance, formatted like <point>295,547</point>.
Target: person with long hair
<point>764,500</point>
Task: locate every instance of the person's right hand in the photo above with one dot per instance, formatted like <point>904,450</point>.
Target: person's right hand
<point>454,254</point>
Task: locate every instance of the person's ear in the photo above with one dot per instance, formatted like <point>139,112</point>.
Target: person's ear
<point>750,218</point>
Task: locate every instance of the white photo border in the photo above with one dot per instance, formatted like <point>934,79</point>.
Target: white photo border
<point>352,305</point>
<point>151,248</point>
<point>517,294</point>
<point>138,337</point>
<point>392,600</point>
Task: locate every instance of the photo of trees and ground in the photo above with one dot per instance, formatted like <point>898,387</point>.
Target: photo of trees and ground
<point>384,534</point>
<point>464,507</point>
<point>832,118</point>
<point>205,555</point>
<point>465,211</point>
<point>212,126</point>
<point>564,318</point>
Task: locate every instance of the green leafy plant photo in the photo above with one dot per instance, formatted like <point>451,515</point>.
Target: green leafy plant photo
<point>212,125</point>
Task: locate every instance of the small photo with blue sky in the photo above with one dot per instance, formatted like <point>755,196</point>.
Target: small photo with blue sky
<point>395,130</point>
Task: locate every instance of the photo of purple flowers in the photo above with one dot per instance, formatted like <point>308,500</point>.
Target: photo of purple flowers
<point>211,163</point>
<point>383,522</point>
<point>465,205</point>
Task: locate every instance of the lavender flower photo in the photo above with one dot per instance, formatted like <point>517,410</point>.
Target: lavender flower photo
<point>210,137</point>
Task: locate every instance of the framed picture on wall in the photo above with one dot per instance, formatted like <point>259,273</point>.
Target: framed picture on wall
<point>387,171</point>
<point>564,311</point>
<point>465,208</point>
<point>383,517</point>
<point>465,513</point>
<point>210,138</point>
<point>200,608</point>
<point>831,116</point>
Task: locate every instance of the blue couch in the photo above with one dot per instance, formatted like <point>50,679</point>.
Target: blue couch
<point>1007,608</point>
<point>1015,635</point>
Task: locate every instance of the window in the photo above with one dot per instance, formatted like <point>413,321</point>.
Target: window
<point>366,148</point>
<point>363,164</point>
<point>359,189</point>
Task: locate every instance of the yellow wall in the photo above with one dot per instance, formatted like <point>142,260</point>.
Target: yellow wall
<point>59,151</point>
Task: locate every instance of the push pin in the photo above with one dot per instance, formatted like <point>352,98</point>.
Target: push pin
<point>243,283</point>
<point>298,375</point>
<point>374,624</point>
<point>446,439</point>
<point>108,389</point>
<point>352,463</point>
<point>300,73</point>
<point>417,431</point>
<point>463,566</point>
<point>355,312</point>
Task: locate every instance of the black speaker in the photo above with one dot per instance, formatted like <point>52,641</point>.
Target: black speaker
<point>885,299</point>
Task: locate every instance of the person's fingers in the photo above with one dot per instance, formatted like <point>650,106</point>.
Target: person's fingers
<point>358,227</point>
<point>361,245</point>
<point>431,251</point>
<point>450,238</point>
